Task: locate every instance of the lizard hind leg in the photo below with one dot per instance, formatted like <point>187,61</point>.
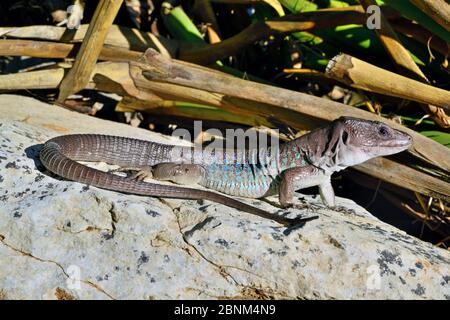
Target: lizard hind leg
<point>140,172</point>
<point>186,174</point>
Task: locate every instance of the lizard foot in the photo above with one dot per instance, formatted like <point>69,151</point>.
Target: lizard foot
<point>140,172</point>
<point>343,209</point>
<point>140,175</point>
<point>305,206</point>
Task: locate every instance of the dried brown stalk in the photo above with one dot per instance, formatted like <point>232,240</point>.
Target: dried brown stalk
<point>422,35</point>
<point>46,49</point>
<point>362,75</point>
<point>405,64</point>
<point>79,74</point>
<point>325,18</point>
<point>439,10</point>
<point>117,36</point>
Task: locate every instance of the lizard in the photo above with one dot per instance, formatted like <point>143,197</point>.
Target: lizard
<point>306,161</point>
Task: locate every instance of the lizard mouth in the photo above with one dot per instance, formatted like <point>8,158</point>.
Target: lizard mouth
<point>402,143</point>
<point>400,140</point>
<point>396,145</point>
<point>405,143</point>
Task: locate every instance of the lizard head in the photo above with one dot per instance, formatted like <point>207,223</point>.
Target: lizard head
<point>356,140</point>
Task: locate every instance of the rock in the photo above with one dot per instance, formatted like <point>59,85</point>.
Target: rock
<point>63,240</point>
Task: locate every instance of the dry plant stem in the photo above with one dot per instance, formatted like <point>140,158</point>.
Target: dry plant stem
<point>422,204</point>
<point>262,29</point>
<point>133,39</point>
<point>432,221</point>
<point>405,64</point>
<point>117,36</point>
<point>422,35</point>
<point>40,49</point>
<point>305,72</point>
<point>399,55</point>
<point>232,104</point>
<point>442,242</point>
<point>432,225</point>
<point>80,73</point>
<point>42,79</point>
<point>362,75</point>
<point>439,10</point>
<point>43,49</point>
<point>405,177</point>
<point>169,107</point>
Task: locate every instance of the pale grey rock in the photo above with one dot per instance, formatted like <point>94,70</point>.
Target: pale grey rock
<point>54,231</point>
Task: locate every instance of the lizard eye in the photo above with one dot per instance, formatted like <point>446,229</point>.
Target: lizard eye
<point>345,137</point>
<point>383,131</point>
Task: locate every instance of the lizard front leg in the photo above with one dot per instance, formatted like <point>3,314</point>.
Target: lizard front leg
<point>304,177</point>
<point>327,194</point>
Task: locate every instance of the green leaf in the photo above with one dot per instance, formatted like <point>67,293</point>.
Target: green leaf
<point>299,5</point>
<point>181,26</point>
<point>438,136</point>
